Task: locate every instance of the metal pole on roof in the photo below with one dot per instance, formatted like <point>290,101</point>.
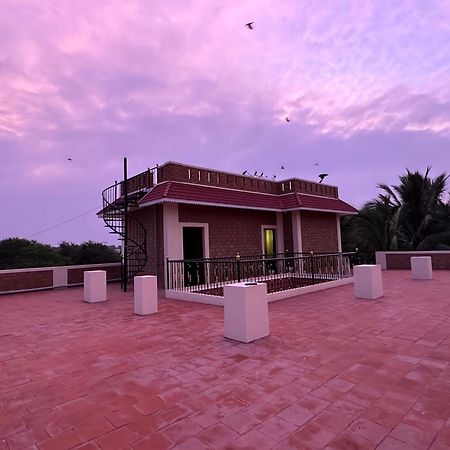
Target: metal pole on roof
<point>125,226</point>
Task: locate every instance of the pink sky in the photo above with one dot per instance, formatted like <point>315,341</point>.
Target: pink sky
<point>366,85</point>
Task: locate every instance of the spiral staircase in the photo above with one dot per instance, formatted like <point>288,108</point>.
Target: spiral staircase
<point>116,215</point>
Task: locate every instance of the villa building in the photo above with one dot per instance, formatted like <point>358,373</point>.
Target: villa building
<point>191,212</point>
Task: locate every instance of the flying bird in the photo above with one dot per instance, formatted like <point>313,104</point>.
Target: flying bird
<point>287,119</point>
<point>282,167</point>
<point>69,159</point>
<point>244,172</point>
<point>316,164</point>
<point>249,25</point>
<point>322,176</point>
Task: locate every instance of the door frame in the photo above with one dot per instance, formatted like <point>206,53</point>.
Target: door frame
<point>205,227</point>
<point>276,238</point>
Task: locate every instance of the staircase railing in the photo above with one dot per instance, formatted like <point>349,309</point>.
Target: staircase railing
<point>117,217</point>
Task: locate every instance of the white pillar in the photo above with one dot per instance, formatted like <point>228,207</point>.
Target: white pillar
<point>421,268</point>
<point>338,229</point>
<point>380,258</point>
<point>145,295</point>
<point>95,286</point>
<point>368,282</point>
<point>246,311</point>
<point>59,277</point>
<point>297,231</point>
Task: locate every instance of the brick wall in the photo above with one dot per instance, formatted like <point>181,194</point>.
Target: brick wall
<point>403,260</point>
<point>230,230</point>
<point>152,219</point>
<point>319,232</point>
<point>39,278</point>
<point>287,232</point>
<point>26,280</point>
<point>76,276</point>
<point>195,175</point>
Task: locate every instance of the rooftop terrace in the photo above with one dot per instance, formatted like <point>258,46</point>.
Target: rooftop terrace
<point>336,373</point>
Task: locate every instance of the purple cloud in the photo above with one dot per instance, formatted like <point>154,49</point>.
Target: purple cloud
<point>366,88</point>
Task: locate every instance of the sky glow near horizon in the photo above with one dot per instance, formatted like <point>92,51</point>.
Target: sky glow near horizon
<point>366,85</point>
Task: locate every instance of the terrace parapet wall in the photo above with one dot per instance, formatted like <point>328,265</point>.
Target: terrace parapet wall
<point>36,278</point>
<point>196,175</point>
<point>397,260</point>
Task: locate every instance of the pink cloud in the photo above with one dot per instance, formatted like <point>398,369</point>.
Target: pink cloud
<point>185,80</point>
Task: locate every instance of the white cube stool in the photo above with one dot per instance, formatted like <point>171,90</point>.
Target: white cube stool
<point>246,311</point>
<point>145,295</point>
<point>95,286</point>
<point>421,268</point>
<point>368,283</point>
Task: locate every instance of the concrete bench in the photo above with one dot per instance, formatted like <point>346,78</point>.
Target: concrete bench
<point>246,311</point>
<point>368,282</point>
<point>145,295</point>
<point>95,286</point>
<point>421,268</point>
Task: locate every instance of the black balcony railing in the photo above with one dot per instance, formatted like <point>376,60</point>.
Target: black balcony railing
<point>209,276</point>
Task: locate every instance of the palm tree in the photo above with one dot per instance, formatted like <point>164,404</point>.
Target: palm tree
<point>409,216</point>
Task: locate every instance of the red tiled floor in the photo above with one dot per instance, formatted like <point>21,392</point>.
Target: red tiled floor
<point>335,372</point>
<point>277,428</point>
<point>218,436</point>
<point>371,431</point>
<point>116,439</point>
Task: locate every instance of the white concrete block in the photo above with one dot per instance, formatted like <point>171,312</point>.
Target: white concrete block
<point>95,286</point>
<point>421,268</point>
<point>246,311</point>
<point>145,295</point>
<point>368,282</point>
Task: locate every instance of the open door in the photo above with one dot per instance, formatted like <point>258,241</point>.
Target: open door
<point>270,248</point>
<point>193,245</point>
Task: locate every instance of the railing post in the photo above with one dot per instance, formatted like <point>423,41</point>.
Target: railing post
<point>167,272</point>
<point>312,267</point>
<point>238,266</point>
<point>340,266</point>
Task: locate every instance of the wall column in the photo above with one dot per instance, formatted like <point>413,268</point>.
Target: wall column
<point>173,240</point>
<point>280,233</point>
<point>338,229</point>
<point>297,232</point>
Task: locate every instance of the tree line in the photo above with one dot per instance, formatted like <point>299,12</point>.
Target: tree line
<point>412,215</point>
<point>16,253</point>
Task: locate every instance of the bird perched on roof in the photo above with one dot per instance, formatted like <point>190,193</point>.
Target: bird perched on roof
<point>255,173</point>
<point>249,25</point>
<point>261,174</point>
<point>287,119</point>
<point>322,176</point>
<point>274,177</point>
<point>244,172</point>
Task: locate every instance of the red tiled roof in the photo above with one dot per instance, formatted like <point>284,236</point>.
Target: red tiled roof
<point>173,191</point>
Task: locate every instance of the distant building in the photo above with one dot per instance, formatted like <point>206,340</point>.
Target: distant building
<point>189,212</point>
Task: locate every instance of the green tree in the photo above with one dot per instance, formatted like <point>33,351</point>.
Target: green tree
<point>95,252</point>
<point>409,216</point>
<point>16,253</point>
